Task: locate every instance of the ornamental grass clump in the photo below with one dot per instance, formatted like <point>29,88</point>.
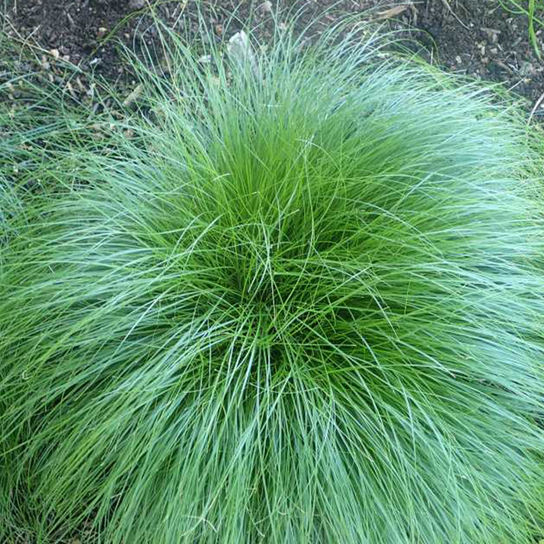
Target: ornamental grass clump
<point>296,298</point>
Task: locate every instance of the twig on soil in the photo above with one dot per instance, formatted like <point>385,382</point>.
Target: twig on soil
<point>25,42</point>
<point>448,7</point>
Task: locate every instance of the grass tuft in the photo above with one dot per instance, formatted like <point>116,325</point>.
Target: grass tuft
<point>296,297</point>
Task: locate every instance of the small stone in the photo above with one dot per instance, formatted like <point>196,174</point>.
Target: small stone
<point>55,53</point>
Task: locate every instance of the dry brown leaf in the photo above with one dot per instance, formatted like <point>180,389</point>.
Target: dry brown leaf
<point>392,12</point>
<point>133,96</point>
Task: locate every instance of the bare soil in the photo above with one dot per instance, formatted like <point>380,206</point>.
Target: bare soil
<point>473,37</point>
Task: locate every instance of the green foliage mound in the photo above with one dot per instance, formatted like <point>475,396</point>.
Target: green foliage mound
<point>295,299</point>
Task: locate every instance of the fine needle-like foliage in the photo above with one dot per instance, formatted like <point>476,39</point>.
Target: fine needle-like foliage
<point>296,299</point>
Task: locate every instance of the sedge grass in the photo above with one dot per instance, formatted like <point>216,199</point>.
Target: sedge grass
<point>301,304</point>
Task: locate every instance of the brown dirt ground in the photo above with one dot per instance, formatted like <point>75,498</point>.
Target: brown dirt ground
<point>473,37</point>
